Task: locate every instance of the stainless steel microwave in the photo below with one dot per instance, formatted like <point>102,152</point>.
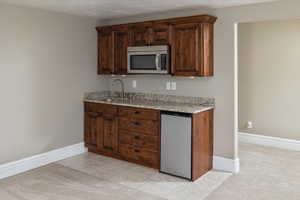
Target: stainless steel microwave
<point>148,60</point>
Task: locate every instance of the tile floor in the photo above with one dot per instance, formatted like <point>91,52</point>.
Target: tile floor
<point>266,173</point>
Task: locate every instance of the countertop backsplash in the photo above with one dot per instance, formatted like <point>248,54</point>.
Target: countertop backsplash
<point>204,101</point>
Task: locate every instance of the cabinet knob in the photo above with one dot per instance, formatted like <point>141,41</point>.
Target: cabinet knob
<point>94,115</point>
<point>136,123</point>
<point>136,150</point>
<point>136,137</point>
<point>109,118</point>
<point>136,112</point>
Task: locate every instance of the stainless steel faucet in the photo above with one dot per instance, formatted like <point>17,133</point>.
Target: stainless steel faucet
<point>122,86</point>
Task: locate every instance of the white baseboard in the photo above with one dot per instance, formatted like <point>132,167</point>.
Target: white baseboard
<point>36,161</point>
<point>26,164</point>
<point>226,164</point>
<point>270,141</point>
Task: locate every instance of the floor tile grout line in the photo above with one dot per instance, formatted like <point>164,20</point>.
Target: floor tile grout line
<point>136,189</point>
<point>103,179</point>
<point>14,195</point>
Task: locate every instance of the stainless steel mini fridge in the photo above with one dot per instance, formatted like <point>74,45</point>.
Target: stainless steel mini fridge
<point>176,144</point>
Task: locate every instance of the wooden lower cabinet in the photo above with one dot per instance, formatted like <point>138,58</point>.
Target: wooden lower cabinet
<point>124,133</point>
<point>133,134</point>
<point>140,155</point>
<point>101,127</point>
<point>148,127</point>
<point>202,143</point>
<point>110,136</point>
<point>93,127</point>
<point>140,140</point>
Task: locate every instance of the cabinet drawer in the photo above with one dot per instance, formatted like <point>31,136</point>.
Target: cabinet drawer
<point>109,111</point>
<point>134,153</point>
<point>148,127</point>
<point>138,113</point>
<point>139,140</point>
<point>103,108</point>
<point>93,107</point>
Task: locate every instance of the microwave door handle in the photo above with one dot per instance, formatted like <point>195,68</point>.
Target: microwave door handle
<point>157,61</point>
<point>128,62</point>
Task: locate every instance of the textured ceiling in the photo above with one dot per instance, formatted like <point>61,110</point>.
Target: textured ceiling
<point>108,9</point>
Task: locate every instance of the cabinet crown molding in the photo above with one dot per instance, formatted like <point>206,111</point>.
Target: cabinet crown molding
<point>177,20</point>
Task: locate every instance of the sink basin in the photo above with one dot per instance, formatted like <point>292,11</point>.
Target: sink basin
<point>113,99</point>
<point>106,98</point>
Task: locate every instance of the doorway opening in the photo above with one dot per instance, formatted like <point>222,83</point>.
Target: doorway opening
<point>267,85</point>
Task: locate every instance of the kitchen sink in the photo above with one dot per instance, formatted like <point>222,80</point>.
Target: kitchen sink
<point>113,99</point>
<point>106,98</point>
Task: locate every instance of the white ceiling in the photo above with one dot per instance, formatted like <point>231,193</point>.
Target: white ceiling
<point>108,9</point>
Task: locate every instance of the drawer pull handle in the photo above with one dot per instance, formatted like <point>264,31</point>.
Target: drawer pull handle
<point>109,118</point>
<point>109,148</point>
<point>94,115</point>
<point>136,112</point>
<point>136,137</point>
<point>136,150</point>
<point>136,123</point>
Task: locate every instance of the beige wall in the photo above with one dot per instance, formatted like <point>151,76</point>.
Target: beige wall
<point>41,89</point>
<point>47,62</point>
<point>221,86</point>
<point>269,78</point>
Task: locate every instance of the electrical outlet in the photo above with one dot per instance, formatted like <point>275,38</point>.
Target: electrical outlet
<point>134,84</point>
<point>249,125</point>
<point>168,86</point>
<point>173,86</point>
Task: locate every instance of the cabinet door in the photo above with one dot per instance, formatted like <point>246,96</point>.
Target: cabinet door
<point>139,34</point>
<point>186,55</point>
<point>110,137</point>
<point>93,124</point>
<point>120,38</point>
<point>160,34</point>
<point>105,49</point>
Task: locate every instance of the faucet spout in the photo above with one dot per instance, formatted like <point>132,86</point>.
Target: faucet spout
<point>122,86</point>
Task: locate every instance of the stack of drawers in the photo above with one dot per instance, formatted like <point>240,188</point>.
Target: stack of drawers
<point>138,131</point>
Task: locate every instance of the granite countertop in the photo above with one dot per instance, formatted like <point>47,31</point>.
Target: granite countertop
<point>153,101</point>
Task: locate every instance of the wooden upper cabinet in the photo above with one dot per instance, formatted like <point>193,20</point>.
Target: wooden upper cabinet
<point>105,48</point>
<point>186,51</point>
<point>150,33</point>
<point>207,49</point>
<point>112,49</point>
<point>160,34</point>
<point>120,44</point>
<point>190,40</point>
<point>192,49</point>
<point>140,34</point>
